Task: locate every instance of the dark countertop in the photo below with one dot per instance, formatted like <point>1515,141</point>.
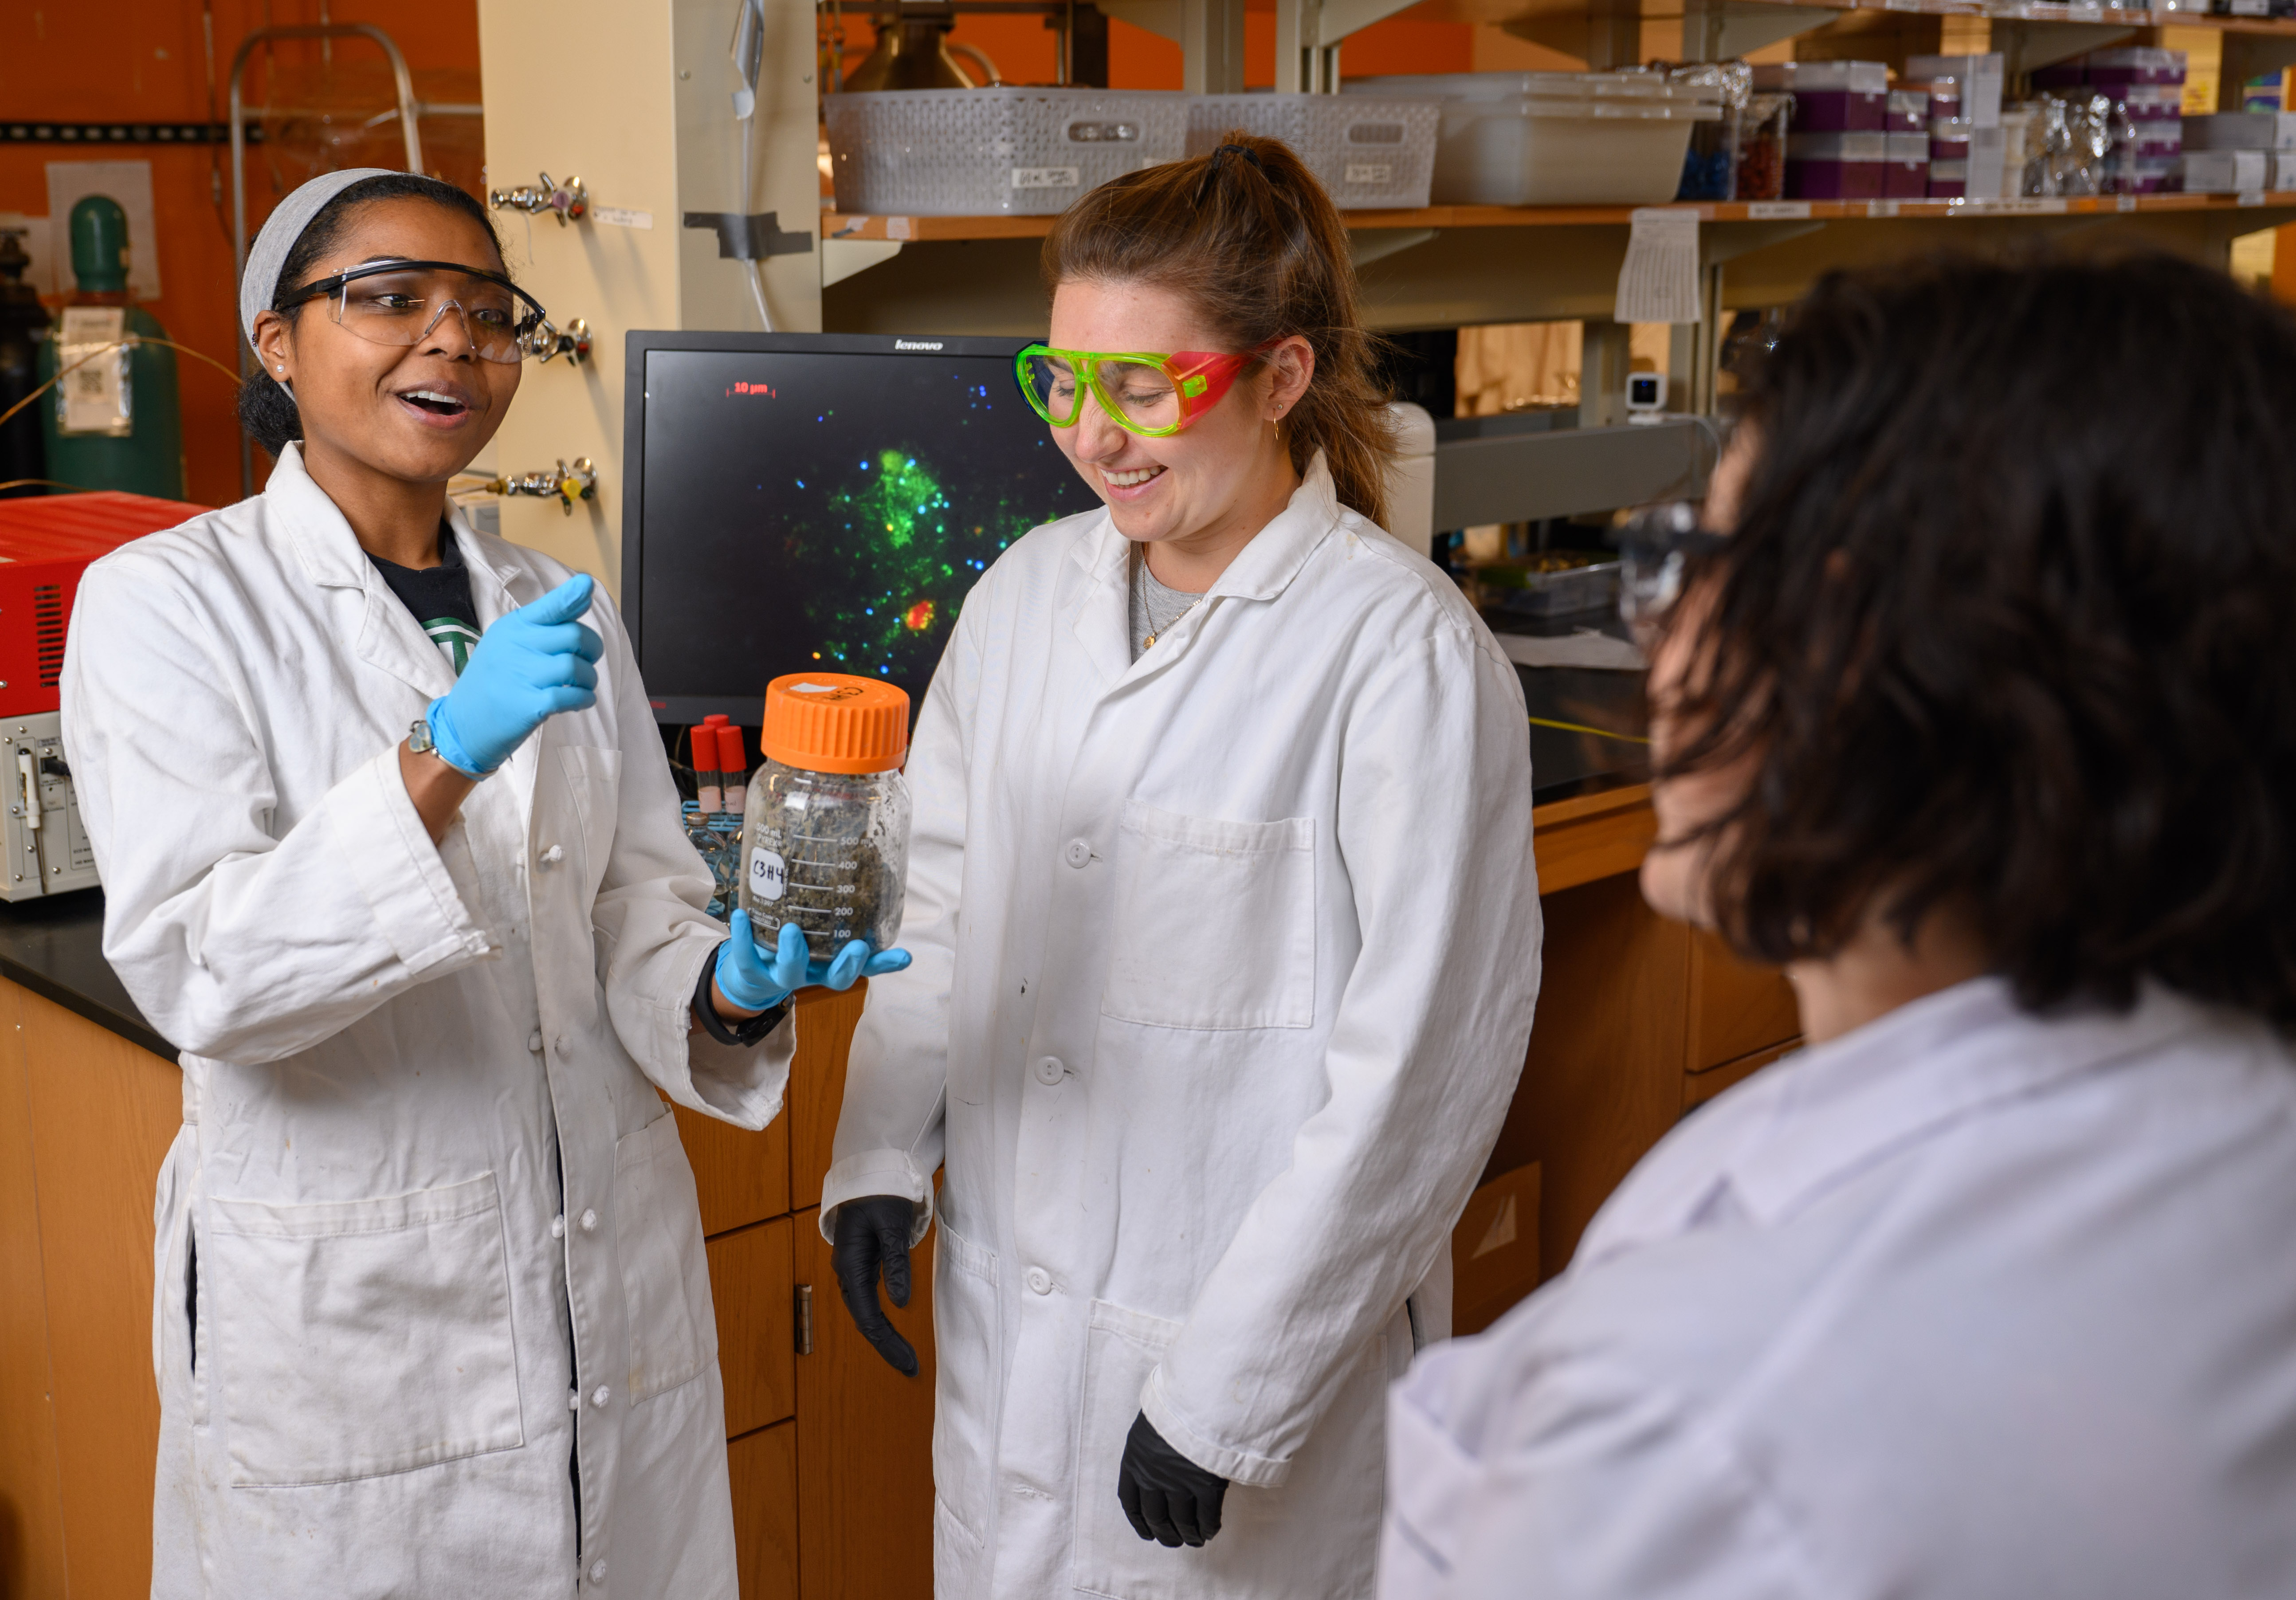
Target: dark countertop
<point>55,946</point>
<point>1564,764</point>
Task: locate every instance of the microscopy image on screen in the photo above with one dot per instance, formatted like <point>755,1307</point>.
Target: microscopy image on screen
<point>816,511</point>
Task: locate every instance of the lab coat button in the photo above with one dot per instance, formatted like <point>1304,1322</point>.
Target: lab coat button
<point>553,855</point>
<point>599,1396</point>
<point>597,1571</point>
<point>1079,852</point>
<point>1040,1282</point>
<point>534,1041</point>
<point>557,1227</point>
<point>589,1221</point>
<point>1049,1071</point>
<point>573,1400</point>
<point>561,1044</point>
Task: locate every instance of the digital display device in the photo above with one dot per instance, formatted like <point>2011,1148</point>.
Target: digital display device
<point>801,502</point>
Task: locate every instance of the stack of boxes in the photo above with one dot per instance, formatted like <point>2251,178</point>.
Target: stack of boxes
<point>2146,85</point>
<point>2240,153</point>
<point>1938,133</point>
<point>1967,148</point>
<point>1839,144</point>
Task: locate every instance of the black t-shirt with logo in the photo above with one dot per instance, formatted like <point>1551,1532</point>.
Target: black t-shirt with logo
<point>439,597</point>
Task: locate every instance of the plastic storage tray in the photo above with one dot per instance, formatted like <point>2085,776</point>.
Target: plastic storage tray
<point>1554,138</point>
<point>970,152</point>
<point>1365,153</point>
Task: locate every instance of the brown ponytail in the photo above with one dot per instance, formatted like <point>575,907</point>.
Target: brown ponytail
<point>1249,238</point>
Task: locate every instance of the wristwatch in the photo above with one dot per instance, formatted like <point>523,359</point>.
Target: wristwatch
<point>419,741</point>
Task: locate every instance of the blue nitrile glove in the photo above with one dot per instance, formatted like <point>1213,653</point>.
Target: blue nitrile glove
<point>529,667</point>
<point>748,979</point>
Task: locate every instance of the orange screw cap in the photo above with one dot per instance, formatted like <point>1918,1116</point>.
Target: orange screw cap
<point>834,722</point>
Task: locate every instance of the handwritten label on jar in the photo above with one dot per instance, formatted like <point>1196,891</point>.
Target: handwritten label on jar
<point>769,874</point>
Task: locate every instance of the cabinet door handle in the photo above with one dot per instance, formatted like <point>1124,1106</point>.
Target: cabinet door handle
<point>804,1319</point>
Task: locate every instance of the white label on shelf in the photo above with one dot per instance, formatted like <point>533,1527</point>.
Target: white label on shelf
<point>1369,172</point>
<point>899,227</point>
<point>2250,197</point>
<point>2127,202</point>
<point>621,217</point>
<point>1880,207</point>
<point>2022,208</point>
<point>1658,282</point>
<point>769,874</point>
<point>1046,177</point>
<point>1777,210</point>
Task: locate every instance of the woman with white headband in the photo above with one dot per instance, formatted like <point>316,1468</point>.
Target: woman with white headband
<point>390,851</point>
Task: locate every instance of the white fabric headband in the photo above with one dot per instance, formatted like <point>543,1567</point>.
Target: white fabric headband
<point>258,285</point>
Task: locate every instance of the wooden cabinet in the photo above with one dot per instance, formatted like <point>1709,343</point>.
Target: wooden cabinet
<point>763,1466</point>
<point>1734,1010</point>
<point>85,1119</point>
<point>831,1450</point>
<point>753,1283</point>
<point>1640,1020</point>
<point>865,1442</point>
<point>1495,1249</point>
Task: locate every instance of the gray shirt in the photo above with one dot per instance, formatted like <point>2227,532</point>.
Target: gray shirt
<point>1154,607</point>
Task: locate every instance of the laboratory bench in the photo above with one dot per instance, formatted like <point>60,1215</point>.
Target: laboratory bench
<point>1638,1022</point>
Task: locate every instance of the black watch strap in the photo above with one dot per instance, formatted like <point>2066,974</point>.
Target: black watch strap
<point>750,1033</point>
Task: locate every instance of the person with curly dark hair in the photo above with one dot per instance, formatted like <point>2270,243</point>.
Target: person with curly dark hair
<point>1981,719</point>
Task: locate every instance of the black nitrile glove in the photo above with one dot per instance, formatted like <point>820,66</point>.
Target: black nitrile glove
<point>872,1232</point>
<point>1168,1497</point>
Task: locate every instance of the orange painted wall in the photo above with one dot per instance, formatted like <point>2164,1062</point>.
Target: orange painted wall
<point>143,59</point>
<point>1024,49</point>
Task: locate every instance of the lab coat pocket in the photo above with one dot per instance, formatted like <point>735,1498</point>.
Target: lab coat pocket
<point>594,778</point>
<point>964,1393</point>
<point>356,1338</point>
<point>1215,922</point>
<point>665,1272</point>
<point>1121,1349</point>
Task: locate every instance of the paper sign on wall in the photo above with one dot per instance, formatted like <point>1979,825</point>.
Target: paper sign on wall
<point>1658,282</point>
<point>130,183</point>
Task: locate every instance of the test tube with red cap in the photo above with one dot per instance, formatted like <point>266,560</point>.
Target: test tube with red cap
<point>709,783</point>
<point>733,768</point>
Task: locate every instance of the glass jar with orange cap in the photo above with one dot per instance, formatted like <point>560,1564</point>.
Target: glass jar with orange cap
<point>825,837</point>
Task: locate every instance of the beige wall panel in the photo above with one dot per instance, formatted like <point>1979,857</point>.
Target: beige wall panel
<point>593,88</point>
<point>581,89</point>
<point>783,176</point>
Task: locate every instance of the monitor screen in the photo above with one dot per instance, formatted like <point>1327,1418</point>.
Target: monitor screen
<point>819,502</point>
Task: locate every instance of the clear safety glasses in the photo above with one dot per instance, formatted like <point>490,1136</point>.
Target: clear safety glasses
<point>1151,395</point>
<point>401,302</point>
<point>1655,549</point>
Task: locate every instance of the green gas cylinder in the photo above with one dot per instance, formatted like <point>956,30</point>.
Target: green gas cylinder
<point>115,421</point>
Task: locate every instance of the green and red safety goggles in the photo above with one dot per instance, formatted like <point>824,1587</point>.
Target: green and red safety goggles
<point>1151,395</point>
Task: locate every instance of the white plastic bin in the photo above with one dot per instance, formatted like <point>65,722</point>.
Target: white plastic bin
<point>1555,138</point>
<point>973,152</point>
<point>1365,153</point>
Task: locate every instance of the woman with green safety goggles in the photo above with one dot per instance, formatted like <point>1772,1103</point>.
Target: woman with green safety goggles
<point>1227,933</point>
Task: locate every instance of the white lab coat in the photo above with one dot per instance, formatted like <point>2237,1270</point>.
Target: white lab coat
<point>391,1053</point>
<point>1965,1305</point>
<point>1224,967</point>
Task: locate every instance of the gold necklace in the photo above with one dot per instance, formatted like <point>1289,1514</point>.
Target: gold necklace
<point>1149,641</point>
